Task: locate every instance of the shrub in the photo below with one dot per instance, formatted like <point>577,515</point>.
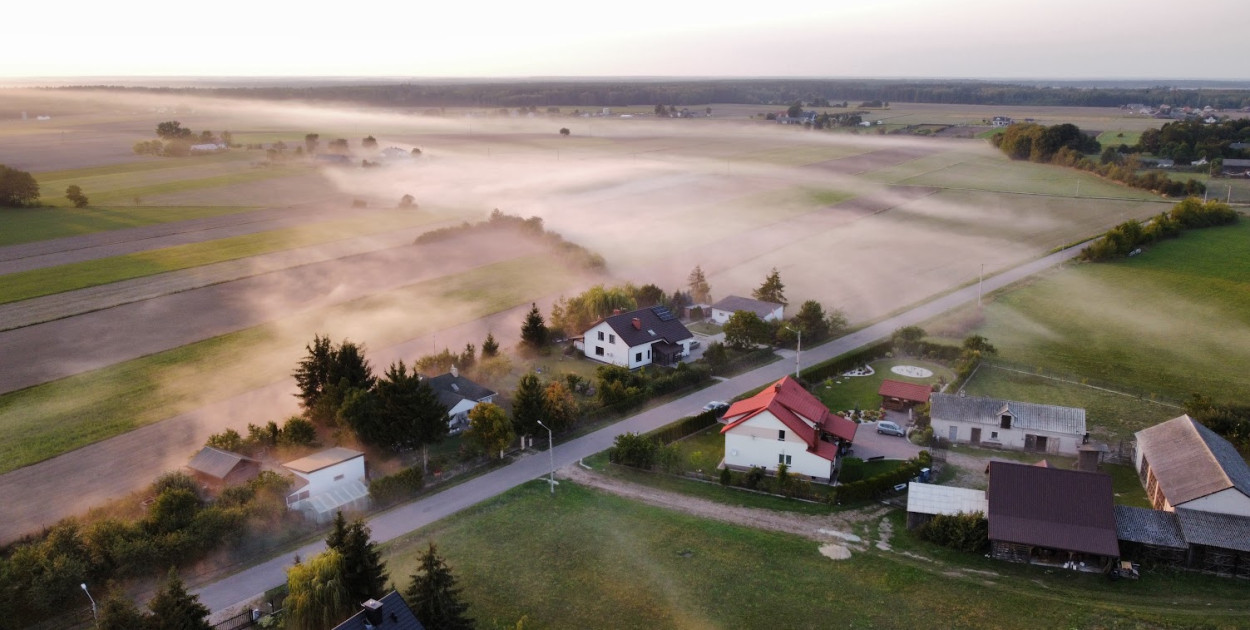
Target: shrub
<point>726,477</point>
<point>397,487</point>
<point>852,470</point>
<point>635,450</point>
<point>964,532</point>
<point>754,477</point>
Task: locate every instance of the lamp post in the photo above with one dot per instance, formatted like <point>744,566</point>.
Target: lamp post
<point>94,616</point>
<point>551,445</point>
<point>798,349</point>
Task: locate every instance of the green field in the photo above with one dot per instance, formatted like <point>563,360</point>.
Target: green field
<point>1117,137</point>
<point>49,419</point>
<point>50,280</point>
<point>1169,322</point>
<point>584,559</point>
<point>26,225</point>
<point>851,392</point>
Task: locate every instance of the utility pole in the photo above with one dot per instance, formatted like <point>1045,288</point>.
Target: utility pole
<point>551,445</point>
<point>980,284</point>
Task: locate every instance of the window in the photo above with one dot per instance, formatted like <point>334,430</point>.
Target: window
<point>993,435</point>
<point>781,435</point>
<point>1005,421</point>
<point>782,458</point>
<point>648,353</point>
<point>600,335</point>
<point>611,338</point>
<point>338,477</point>
<point>638,357</point>
<point>598,351</point>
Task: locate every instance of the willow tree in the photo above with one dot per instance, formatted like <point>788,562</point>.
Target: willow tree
<point>319,597</point>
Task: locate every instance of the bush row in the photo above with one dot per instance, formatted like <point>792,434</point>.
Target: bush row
<point>531,227</point>
<point>686,426</point>
<point>875,487</point>
<point>392,489</point>
<point>963,532</point>
<point>1123,239</point>
<point>849,361</point>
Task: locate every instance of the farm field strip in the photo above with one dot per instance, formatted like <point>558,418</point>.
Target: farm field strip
<point>126,194</point>
<point>51,280</point>
<point>31,225</point>
<point>58,416</point>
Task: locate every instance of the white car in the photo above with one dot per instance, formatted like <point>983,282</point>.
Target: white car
<point>716,405</point>
<point>890,428</point>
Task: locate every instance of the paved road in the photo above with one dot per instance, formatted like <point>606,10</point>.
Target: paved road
<point>251,582</point>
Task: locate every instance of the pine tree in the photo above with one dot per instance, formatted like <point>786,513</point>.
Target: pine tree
<point>433,595</point>
<point>119,613</point>
<point>490,347</point>
<point>772,290</point>
<point>528,406</point>
<point>700,291</point>
<point>409,412</point>
<point>364,572</point>
<point>534,330</point>
<point>174,608</point>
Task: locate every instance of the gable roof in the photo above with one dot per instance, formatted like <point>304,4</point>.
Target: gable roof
<point>1149,527</point>
<point>651,326</point>
<point>988,411</point>
<point>453,388</point>
<point>215,462</point>
<point>787,401</point>
<point>396,615</point>
<point>323,459</point>
<point>735,303</point>
<point>1190,461</point>
<point>1227,531</point>
<point>906,391</point>
<point>1055,508</point>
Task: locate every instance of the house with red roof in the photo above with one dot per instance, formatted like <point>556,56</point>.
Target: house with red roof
<point>784,424</point>
<point>900,396</point>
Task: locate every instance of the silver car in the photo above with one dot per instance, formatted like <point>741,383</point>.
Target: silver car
<point>890,428</point>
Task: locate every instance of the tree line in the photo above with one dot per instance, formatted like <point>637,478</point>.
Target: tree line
<point>20,189</point>
<point>1123,239</point>
<point>1187,140</point>
<point>618,93</point>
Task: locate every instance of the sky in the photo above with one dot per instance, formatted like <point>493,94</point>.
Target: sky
<point>1061,39</point>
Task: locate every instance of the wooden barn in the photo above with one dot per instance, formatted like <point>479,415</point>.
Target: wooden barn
<point>900,396</point>
<point>217,469</point>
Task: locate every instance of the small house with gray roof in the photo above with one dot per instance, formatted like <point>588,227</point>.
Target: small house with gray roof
<point>1183,464</point>
<point>1007,424</point>
<point>638,338</point>
<point>216,468</point>
<point>459,395</point>
<point>767,311</point>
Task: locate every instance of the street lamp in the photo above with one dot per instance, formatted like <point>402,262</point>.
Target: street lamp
<point>798,349</point>
<point>94,617</point>
<point>551,445</point>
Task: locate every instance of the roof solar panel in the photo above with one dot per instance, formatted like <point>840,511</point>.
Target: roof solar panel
<point>663,313</point>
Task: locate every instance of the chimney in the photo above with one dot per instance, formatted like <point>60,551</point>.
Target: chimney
<point>455,373</point>
<point>637,324</point>
<point>373,612</point>
<point>616,311</point>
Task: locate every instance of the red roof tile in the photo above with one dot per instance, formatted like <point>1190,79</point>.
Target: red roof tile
<point>791,404</point>
<point>906,391</point>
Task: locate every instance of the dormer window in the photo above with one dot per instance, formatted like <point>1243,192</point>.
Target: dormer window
<point>1005,421</point>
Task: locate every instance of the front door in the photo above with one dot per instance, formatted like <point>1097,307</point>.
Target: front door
<point>954,433</point>
<point>976,435</point>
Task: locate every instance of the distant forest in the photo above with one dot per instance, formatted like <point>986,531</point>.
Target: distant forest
<point>763,92</point>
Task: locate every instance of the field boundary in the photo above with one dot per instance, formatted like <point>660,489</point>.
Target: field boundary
<point>1151,398</point>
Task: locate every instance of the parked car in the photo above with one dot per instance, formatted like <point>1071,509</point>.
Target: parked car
<point>890,428</point>
<point>716,405</point>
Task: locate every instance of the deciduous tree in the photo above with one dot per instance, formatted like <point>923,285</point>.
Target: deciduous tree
<point>745,329</point>
<point>369,142</point>
<point>559,407</point>
<point>318,597</point>
<point>434,596</point>
<point>489,428</point>
<point>75,196</point>
<point>700,290</point>
<point>17,188</point>
<point>172,130</point>
<point>118,612</point>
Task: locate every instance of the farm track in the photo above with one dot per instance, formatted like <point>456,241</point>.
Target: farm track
<point>70,303</point>
<point>72,249</point>
<point>93,340</point>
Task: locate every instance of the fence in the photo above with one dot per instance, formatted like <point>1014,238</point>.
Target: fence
<point>241,620</point>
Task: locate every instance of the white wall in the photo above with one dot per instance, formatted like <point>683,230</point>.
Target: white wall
<point>1228,501</point>
<point>755,443</point>
<point>327,478</point>
<point>720,316</point>
<point>1012,438</point>
<point>614,349</point>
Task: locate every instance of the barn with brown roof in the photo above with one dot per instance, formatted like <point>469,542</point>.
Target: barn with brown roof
<point>1051,515</point>
<point>901,396</point>
<point>217,468</point>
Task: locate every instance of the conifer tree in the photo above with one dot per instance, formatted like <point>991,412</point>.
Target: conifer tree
<point>433,595</point>
<point>534,330</point>
<point>174,608</point>
<point>364,572</point>
<point>772,290</point>
<point>700,290</point>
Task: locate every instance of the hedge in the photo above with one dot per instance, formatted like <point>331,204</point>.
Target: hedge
<point>878,486</point>
<point>689,425</point>
<point>397,487</point>
<point>849,361</point>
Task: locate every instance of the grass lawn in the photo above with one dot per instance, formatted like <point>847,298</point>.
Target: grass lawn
<point>50,280</point>
<point>1169,322</point>
<point>1117,137</point>
<point>704,327</point>
<point>609,563</point>
<point>25,225</point>
<point>49,419</point>
<point>844,393</point>
<point>1109,416</point>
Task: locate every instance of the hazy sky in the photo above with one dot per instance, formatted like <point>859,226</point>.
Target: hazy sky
<point>888,38</point>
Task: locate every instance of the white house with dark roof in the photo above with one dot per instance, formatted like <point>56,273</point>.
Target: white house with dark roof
<point>632,340</point>
<point>1007,424</point>
<point>1183,464</point>
<point>327,482</point>
<point>459,395</point>
<point>784,424</point>
<point>767,311</point>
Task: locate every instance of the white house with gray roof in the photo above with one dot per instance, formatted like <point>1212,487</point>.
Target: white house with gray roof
<point>767,311</point>
<point>1183,464</point>
<point>1007,424</point>
<point>459,395</point>
<point>637,338</point>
